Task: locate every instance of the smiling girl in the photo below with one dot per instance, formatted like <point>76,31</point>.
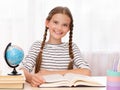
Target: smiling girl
<point>54,56</point>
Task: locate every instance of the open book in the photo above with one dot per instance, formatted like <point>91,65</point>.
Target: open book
<point>72,80</point>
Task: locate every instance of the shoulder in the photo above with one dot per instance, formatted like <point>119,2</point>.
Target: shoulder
<point>36,45</point>
<point>74,45</point>
<point>67,43</point>
<point>37,42</point>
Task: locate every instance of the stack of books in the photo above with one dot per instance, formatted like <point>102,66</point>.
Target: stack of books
<point>12,81</point>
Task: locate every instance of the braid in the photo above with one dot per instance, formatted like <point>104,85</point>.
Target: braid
<point>39,57</point>
<point>70,66</point>
<point>56,10</point>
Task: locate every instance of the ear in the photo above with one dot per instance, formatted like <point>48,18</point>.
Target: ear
<point>46,23</point>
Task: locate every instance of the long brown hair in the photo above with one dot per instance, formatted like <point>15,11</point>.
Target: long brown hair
<point>56,10</point>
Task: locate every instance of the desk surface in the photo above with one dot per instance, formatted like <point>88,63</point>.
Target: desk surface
<point>28,87</point>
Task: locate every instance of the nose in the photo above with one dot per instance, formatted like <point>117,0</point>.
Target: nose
<point>59,27</point>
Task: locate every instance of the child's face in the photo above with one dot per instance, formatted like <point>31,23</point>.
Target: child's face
<point>58,26</point>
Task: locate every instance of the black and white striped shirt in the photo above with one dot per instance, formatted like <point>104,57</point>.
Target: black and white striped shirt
<point>55,57</point>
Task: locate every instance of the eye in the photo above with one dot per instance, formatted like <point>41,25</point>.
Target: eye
<point>65,25</point>
<point>55,22</point>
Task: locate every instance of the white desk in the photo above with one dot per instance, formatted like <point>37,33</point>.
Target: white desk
<point>28,87</point>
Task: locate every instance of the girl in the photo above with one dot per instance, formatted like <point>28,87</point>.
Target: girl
<point>54,56</point>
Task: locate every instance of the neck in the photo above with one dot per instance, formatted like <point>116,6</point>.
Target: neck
<point>54,42</point>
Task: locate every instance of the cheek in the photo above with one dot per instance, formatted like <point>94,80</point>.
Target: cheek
<point>51,26</point>
<point>67,30</point>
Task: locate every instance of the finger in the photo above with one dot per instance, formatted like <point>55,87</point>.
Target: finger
<point>35,84</point>
<point>39,79</point>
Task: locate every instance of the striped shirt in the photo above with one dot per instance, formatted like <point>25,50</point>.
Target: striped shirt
<point>55,57</point>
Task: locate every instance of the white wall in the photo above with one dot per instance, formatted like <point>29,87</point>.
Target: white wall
<point>96,23</point>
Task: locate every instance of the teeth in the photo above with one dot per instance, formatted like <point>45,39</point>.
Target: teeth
<point>58,32</point>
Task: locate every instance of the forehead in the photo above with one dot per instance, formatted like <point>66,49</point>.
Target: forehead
<point>60,16</point>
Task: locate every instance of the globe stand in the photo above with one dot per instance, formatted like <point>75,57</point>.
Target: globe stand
<point>14,72</point>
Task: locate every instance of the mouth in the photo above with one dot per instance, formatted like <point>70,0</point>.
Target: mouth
<point>58,33</point>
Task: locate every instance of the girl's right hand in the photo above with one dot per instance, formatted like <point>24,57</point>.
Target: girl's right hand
<point>36,80</point>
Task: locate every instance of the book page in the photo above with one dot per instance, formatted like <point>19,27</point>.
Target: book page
<point>99,80</point>
<point>70,79</point>
<point>54,78</point>
<point>56,84</point>
<point>73,77</point>
<point>82,80</point>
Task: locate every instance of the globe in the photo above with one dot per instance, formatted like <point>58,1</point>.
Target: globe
<point>13,56</point>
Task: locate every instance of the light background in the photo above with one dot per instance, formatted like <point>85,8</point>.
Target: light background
<point>96,23</point>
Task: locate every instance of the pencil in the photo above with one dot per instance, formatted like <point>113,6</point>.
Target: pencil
<point>115,65</point>
<point>118,67</point>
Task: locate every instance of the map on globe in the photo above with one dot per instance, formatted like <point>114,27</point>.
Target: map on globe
<point>14,55</point>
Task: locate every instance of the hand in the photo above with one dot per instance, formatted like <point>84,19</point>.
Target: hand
<point>45,72</point>
<point>36,80</point>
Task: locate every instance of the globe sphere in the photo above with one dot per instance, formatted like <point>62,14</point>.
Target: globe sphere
<point>14,55</point>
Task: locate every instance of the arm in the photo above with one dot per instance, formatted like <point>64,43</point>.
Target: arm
<point>77,71</point>
<point>29,62</point>
<point>34,79</point>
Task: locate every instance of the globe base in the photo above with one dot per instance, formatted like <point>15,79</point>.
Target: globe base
<point>14,72</point>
